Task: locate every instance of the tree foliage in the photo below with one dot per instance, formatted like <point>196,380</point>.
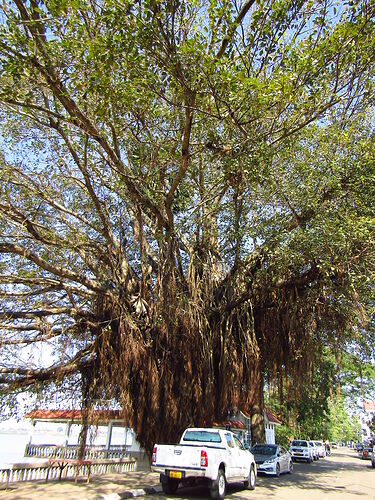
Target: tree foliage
<point>329,402</point>
<point>186,200</point>
<point>341,426</point>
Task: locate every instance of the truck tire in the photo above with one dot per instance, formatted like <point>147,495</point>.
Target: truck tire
<point>169,486</point>
<point>219,486</point>
<point>251,480</point>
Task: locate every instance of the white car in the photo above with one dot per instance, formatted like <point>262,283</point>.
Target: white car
<point>321,448</point>
<point>300,449</point>
<point>272,459</point>
<point>315,451</point>
<point>208,456</point>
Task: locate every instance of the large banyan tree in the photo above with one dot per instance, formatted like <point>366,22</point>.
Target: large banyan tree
<point>186,200</point>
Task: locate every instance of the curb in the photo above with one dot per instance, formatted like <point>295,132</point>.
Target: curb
<point>131,493</point>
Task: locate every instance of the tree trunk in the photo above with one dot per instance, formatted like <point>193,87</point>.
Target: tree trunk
<point>86,384</point>
<point>83,434</point>
<point>258,434</point>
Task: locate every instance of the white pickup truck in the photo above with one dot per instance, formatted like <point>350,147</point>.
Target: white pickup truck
<point>212,456</point>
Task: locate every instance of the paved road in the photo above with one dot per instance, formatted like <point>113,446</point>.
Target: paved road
<point>342,476</point>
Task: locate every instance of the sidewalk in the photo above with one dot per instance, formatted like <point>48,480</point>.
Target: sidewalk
<point>106,487</point>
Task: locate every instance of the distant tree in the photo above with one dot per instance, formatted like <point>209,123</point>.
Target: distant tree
<point>184,200</point>
<point>356,370</point>
<point>284,435</point>
<point>331,391</point>
<point>340,425</point>
<point>372,427</point>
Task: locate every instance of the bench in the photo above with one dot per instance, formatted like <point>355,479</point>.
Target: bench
<point>63,463</point>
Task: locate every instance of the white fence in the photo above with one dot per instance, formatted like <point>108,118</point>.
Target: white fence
<point>71,451</point>
<point>43,470</point>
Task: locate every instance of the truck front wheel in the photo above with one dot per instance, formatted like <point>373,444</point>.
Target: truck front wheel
<point>218,487</point>
<point>169,486</point>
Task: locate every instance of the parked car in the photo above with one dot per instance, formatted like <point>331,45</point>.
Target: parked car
<point>315,451</point>
<point>300,449</point>
<point>272,459</point>
<point>366,453</point>
<point>321,448</point>
<point>208,456</point>
<point>333,445</point>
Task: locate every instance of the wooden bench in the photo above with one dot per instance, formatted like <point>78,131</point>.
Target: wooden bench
<point>63,463</point>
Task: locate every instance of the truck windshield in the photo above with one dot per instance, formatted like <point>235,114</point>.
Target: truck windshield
<point>300,443</point>
<point>202,436</point>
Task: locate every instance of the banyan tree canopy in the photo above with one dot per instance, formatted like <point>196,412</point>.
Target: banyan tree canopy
<point>186,199</point>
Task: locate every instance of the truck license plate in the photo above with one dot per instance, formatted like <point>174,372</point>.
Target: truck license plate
<point>176,474</point>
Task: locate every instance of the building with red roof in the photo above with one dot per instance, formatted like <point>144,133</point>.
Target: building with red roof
<point>240,424</point>
<point>109,419</point>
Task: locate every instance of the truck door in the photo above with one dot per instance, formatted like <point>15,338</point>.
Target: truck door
<point>243,458</point>
<point>232,467</point>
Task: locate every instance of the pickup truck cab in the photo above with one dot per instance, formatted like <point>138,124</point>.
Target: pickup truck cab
<point>300,449</point>
<point>204,455</point>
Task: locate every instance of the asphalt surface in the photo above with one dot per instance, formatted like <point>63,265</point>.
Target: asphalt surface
<point>342,476</point>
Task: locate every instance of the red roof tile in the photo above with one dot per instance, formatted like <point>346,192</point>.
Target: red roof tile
<point>71,415</point>
<point>234,424</point>
<point>271,417</point>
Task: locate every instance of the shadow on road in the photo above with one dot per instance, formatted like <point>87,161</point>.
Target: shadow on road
<point>305,476</point>
<point>308,476</point>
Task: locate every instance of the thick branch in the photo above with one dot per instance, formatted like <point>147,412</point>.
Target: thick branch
<point>241,15</point>
<point>79,118</point>
<point>31,293</point>
<point>58,271</point>
<point>189,103</point>
<point>23,377</point>
<point>39,313</point>
<point>32,340</point>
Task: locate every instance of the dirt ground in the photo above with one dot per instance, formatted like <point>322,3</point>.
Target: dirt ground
<point>67,489</point>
